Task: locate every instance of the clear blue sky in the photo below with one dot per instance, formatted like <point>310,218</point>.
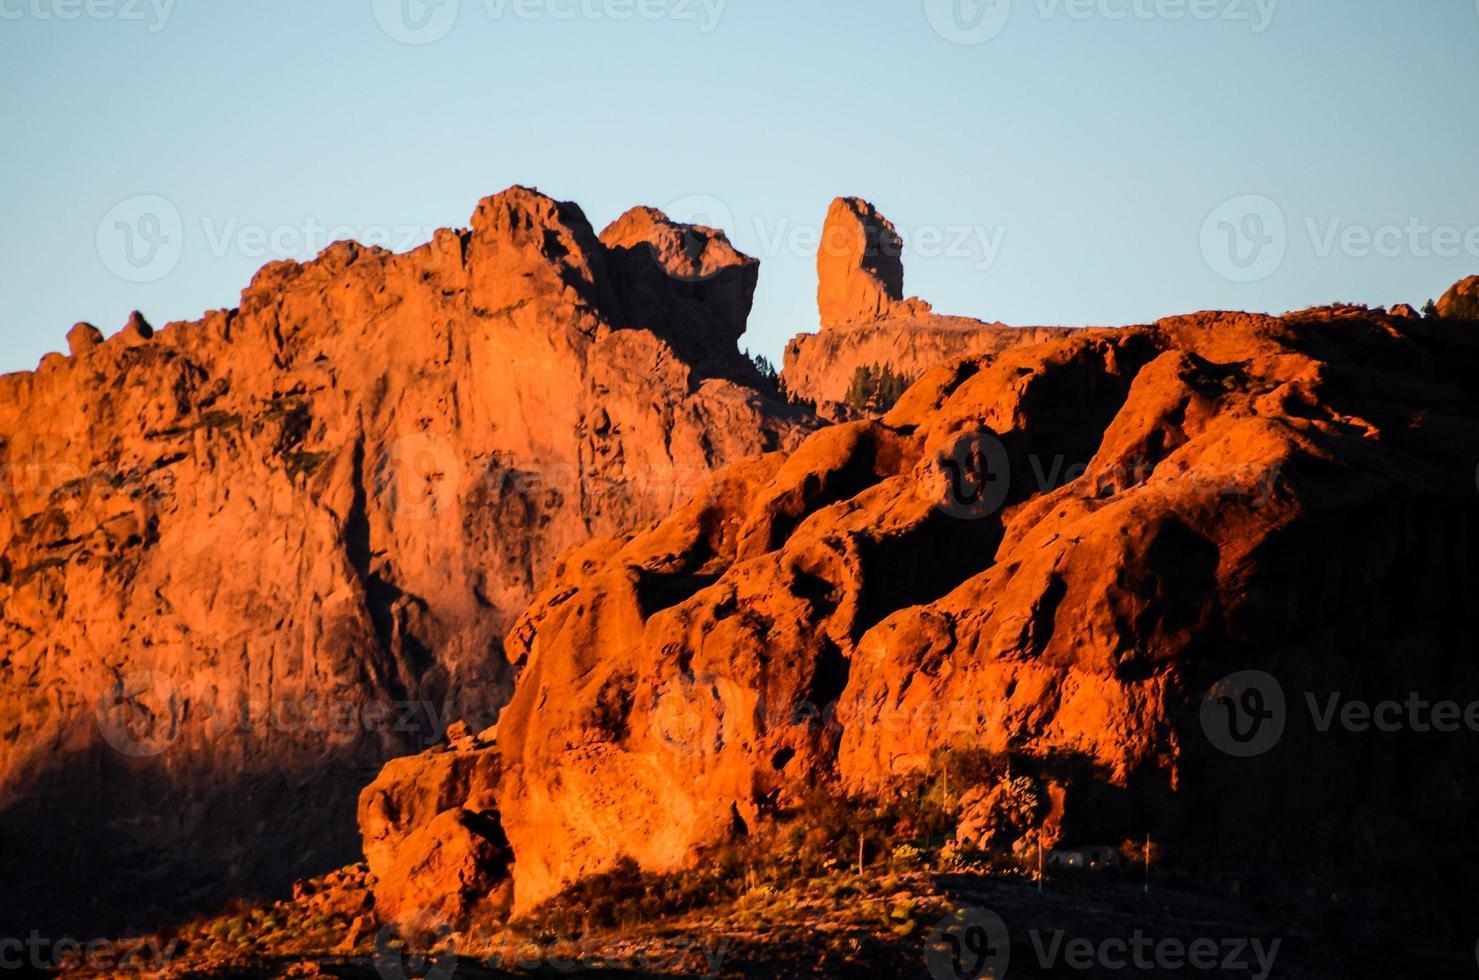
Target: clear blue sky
<point>1090,140</point>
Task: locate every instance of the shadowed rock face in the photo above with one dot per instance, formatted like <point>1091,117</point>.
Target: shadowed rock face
<point>1055,553</point>
<point>685,283</point>
<point>867,322</point>
<point>249,558</point>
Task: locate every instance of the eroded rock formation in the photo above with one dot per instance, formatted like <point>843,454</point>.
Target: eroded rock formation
<point>867,322</point>
<point>686,284</point>
<point>860,268</point>
<point>249,558</point>
<point>1052,554</point>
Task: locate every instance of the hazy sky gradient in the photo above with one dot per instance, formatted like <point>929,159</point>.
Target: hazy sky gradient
<point>1090,150</point>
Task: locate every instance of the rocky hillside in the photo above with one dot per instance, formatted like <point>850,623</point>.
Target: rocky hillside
<point>249,558</point>
<point>523,474</point>
<point>867,322</point>
<point>1016,596</point>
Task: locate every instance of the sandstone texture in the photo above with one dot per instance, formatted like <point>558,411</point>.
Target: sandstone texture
<point>867,322</point>
<point>1053,554</point>
<point>247,559</point>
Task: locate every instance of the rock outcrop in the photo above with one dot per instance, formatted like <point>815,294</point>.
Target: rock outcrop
<point>819,367</point>
<point>249,558</point>
<point>1461,302</point>
<point>431,836</point>
<point>136,331</point>
<point>1053,555</point>
<point>867,322</point>
<point>860,268</point>
<point>685,283</point>
<point>82,338</point>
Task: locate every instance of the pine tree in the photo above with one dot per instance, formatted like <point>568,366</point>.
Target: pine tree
<point>875,389</point>
<point>860,389</point>
<point>764,366</point>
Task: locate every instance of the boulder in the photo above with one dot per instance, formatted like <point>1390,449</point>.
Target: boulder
<point>412,791</point>
<point>442,872</point>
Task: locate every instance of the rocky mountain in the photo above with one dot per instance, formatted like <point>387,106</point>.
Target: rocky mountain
<point>521,479</point>
<point>248,559</point>
<point>1029,594</point>
<point>867,322</point>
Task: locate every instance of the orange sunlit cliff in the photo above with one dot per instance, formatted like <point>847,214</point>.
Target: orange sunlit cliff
<point>604,603</point>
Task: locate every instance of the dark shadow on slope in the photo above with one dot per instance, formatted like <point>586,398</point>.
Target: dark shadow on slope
<point>83,863</point>
<point>922,564</point>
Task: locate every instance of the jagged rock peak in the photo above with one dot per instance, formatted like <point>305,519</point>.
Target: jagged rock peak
<point>690,252</point>
<point>521,209</point>
<point>860,267</point>
<point>82,338</point>
<point>137,329</point>
<point>544,231</point>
